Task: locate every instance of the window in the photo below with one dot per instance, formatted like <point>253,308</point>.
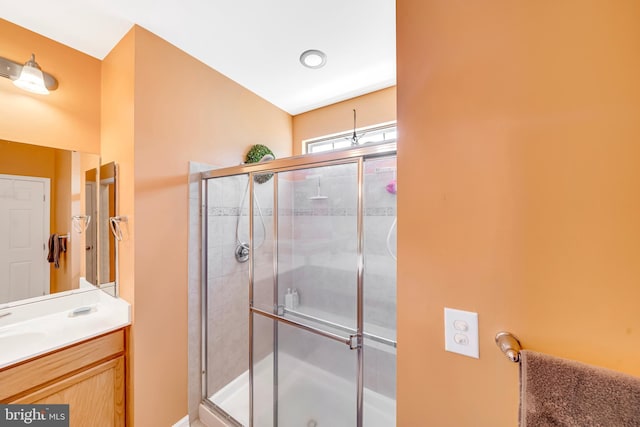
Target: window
<point>371,135</point>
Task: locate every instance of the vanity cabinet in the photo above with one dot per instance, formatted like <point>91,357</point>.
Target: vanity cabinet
<point>89,376</point>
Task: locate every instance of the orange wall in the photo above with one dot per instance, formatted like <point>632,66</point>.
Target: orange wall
<point>66,118</point>
<point>62,278</point>
<point>519,162</point>
<point>117,133</point>
<point>28,160</point>
<point>205,118</point>
<point>372,109</point>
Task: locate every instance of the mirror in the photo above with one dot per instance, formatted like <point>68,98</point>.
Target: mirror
<point>107,194</point>
<point>91,235</point>
<point>42,215</point>
<point>101,245</point>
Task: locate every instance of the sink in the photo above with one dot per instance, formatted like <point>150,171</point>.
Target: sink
<point>35,329</point>
<point>13,338</point>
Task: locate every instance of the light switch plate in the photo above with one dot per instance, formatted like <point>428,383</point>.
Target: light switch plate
<point>461,332</point>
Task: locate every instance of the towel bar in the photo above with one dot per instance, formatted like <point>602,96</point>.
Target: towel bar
<point>509,345</point>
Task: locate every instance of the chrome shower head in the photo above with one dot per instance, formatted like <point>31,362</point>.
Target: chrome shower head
<point>317,196</point>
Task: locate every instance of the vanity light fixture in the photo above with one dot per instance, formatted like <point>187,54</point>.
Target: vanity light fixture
<point>313,58</point>
<point>29,76</point>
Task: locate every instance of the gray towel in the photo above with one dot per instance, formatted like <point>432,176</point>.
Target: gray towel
<point>560,392</point>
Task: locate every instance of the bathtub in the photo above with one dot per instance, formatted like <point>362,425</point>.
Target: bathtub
<point>309,397</point>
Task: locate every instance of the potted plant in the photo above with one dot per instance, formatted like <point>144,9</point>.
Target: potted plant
<point>260,153</point>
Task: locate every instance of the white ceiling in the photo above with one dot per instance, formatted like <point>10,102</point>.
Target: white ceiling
<point>256,43</point>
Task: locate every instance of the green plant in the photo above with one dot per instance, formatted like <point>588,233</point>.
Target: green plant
<point>254,155</point>
<point>257,152</point>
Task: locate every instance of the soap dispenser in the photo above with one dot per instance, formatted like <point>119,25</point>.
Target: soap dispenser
<point>288,299</point>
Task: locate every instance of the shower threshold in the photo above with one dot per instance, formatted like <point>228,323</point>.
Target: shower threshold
<point>303,381</point>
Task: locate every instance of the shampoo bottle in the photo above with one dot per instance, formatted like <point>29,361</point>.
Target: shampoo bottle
<point>288,299</point>
<point>295,299</point>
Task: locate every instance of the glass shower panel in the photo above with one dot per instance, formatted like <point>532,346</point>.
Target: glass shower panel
<point>380,230</point>
<point>227,294</point>
<point>317,247</point>
<point>263,256</point>
<point>313,378</point>
<point>379,384</point>
<point>264,331</point>
<point>264,370</point>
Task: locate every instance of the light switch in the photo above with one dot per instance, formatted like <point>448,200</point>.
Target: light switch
<point>461,332</point>
<point>460,325</point>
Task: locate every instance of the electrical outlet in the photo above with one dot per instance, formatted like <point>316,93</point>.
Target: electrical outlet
<point>461,332</point>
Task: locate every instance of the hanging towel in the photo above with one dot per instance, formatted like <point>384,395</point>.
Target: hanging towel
<point>56,247</point>
<point>63,244</point>
<point>559,392</point>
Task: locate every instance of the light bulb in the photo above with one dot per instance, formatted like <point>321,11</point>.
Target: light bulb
<point>31,78</point>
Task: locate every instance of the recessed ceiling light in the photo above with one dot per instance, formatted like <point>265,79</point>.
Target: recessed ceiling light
<point>313,58</point>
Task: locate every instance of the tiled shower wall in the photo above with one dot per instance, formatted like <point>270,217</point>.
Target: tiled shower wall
<point>324,239</point>
<point>228,279</point>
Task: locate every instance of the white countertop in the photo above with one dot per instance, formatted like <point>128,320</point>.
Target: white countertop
<point>46,325</point>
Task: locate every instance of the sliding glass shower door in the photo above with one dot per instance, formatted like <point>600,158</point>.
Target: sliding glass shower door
<point>305,299</point>
<point>299,323</point>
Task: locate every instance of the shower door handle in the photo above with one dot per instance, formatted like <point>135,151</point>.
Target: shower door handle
<point>345,340</point>
<point>282,311</point>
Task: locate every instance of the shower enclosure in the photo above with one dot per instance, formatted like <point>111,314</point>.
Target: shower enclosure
<point>299,290</point>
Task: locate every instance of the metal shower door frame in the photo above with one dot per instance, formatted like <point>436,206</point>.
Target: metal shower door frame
<point>354,341</point>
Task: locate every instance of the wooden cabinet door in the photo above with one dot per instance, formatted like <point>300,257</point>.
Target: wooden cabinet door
<point>95,395</point>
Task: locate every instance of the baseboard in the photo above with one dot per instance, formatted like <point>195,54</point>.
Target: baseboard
<point>184,422</point>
